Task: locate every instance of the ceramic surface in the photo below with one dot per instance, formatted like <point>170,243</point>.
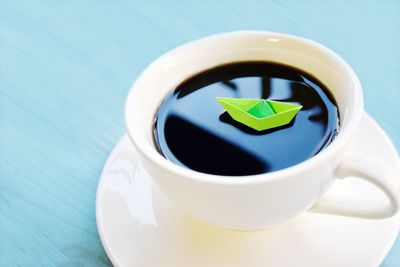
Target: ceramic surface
<point>139,227</point>
<point>250,202</point>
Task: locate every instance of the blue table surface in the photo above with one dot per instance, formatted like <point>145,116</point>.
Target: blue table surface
<point>66,67</point>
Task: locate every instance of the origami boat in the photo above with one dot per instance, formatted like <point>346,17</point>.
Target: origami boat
<point>259,114</point>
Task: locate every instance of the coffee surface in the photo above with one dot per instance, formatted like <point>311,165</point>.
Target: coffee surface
<point>193,130</point>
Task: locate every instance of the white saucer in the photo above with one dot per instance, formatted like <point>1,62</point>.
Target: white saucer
<point>140,228</point>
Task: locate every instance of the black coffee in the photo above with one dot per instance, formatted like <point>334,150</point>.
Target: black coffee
<point>192,129</point>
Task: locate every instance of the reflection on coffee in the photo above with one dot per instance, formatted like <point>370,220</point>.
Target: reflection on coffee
<point>192,129</point>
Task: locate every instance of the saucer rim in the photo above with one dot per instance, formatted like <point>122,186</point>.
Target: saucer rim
<point>98,211</point>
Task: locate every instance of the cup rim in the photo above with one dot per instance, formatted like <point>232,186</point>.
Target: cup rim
<point>152,155</point>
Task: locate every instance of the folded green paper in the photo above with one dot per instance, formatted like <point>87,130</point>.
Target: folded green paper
<point>259,114</point>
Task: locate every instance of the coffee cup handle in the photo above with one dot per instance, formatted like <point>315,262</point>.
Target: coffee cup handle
<point>373,170</point>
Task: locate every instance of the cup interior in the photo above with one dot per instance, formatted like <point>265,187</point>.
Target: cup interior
<point>161,77</point>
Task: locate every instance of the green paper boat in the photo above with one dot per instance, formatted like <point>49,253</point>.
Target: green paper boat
<point>259,114</point>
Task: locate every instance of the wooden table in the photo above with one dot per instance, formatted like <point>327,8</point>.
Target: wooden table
<point>66,67</point>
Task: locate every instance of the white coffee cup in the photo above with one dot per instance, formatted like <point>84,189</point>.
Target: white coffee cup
<point>257,201</point>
